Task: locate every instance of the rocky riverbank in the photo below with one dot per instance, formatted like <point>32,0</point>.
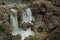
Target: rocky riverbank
<point>46,24</point>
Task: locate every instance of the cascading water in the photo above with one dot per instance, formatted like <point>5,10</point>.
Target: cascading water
<point>27,17</point>
<point>14,21</point>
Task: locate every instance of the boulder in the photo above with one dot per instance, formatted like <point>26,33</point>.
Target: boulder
<point>17,37</point>
<point>4,18</point>
<point>40,36</point>
<point>25,26</point>
<point>4,14</point>
<point>56,2</point>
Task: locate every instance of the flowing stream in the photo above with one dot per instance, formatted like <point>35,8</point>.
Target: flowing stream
<point>27,17</point>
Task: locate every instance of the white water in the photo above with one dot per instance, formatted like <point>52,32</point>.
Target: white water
<point>27,16</point>
<point>16,29</point>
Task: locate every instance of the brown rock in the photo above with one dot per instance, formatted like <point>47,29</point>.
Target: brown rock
<point>4,12</point>
<point>17,37</point>
<point>25,26</point>
<point>56,2</point>
<point>1,2</point>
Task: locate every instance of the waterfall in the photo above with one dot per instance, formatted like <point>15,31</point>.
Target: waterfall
<point>27,16</point>
<point>14,22</point>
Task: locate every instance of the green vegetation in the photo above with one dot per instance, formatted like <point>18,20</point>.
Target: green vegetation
<point>33,38</point>
<point>49,0</point>
<point>26,1</point>
<point>2,27</point>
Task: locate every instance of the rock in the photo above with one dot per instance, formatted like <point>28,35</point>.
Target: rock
<point>56,2</point>
<point>2,36</point>
<point>17,37</point>
<point>32,38</point>
<point>19,10</point>
<point>4,19</point>
<point>40,36</point>
<point>53,9</point>
<point>54,19</point>
<point>39,26</point>
<point>38,8</point>
<point>1,2</point>
<point>25,26</point>
<point>51,20</point>
<point>4,14</point>
<point>19,13</point>
<point>47,20</point>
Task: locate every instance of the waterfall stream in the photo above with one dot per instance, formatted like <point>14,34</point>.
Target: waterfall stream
<point>27,17</point>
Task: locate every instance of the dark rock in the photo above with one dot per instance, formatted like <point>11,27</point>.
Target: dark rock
<point>25,26</point>
<point>56,2</point>
<point>1,2</point>
<point>17,37</point>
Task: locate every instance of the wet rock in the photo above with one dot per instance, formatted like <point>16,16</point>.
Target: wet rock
<point>17,37</point>
<point>19,10</point>
<point>4,36</point>
<point>32,38</point>
<point>19,13</point>
<point>40,36</point>
<point>25,26</point>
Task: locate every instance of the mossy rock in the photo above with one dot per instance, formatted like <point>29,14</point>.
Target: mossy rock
<point>49,0</point>
<point>26,1</point>
<point>2,27</point>
<point>33,38</point>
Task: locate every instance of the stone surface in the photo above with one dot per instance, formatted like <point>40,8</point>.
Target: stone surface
<point>25,26</point>
<point>46,24</point>
<point>17,37</point>
<point>56,2</point>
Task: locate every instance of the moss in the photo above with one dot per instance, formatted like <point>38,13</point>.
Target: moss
<point>2,27</point>
<point>49,0</point>
<point>26,1</point>
<point>33,38</point>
